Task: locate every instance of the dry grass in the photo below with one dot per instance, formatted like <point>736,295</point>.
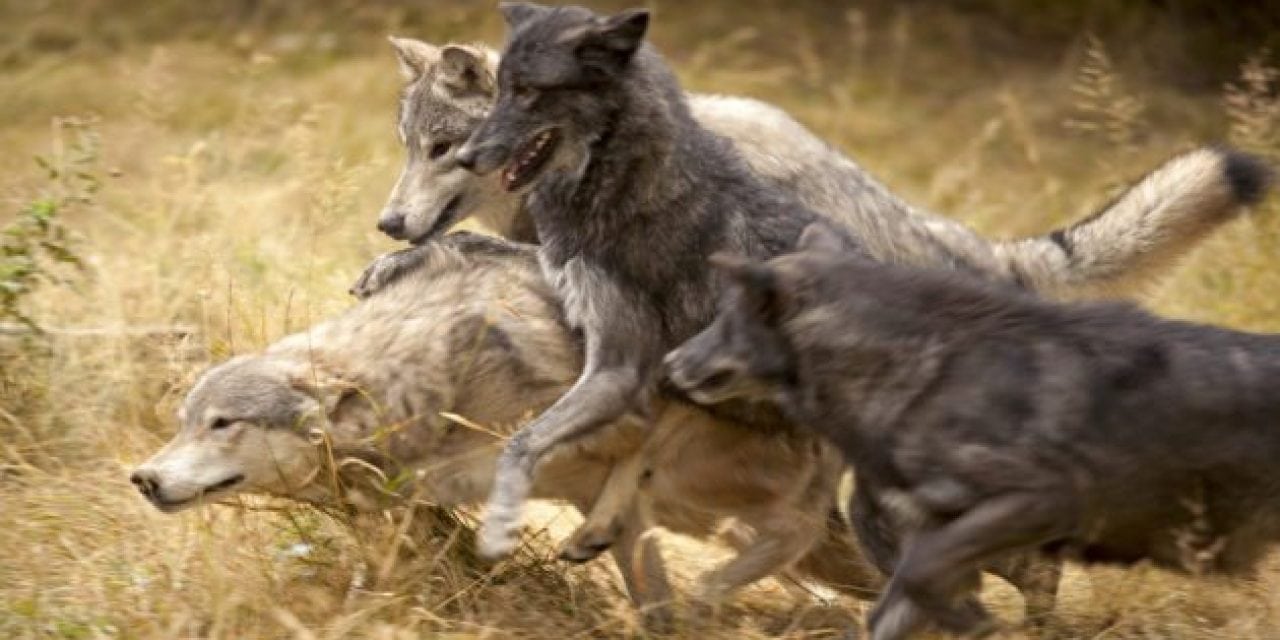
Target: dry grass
<point>245,170</point>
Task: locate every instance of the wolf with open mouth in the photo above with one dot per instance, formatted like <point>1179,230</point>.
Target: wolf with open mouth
<point>629,194</point>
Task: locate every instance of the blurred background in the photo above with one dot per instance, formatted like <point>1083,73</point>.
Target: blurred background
<point>182,181</point>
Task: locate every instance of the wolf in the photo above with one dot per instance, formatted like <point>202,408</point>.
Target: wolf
<point>1001,422</point>
<point>628,193</point>
<point>449,89</point>
<point>427,375</point>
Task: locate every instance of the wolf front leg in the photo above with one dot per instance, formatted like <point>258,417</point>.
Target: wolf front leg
<point>598,398</point>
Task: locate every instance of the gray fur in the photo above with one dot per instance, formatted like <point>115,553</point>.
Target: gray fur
<point>1127,243</point>
<point>628,194</point>
<point>1006,423</point>
<point>466,325</point>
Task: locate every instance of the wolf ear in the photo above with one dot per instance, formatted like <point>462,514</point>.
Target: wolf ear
<point>615,38</point>
<point>820,238</point>
<point>518,13</point>
<point>463,70</point>
<point>762,291</point>
<point>415,56</point>
<point>326,390</point>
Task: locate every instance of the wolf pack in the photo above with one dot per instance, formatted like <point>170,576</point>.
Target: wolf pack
<point>694,314</point>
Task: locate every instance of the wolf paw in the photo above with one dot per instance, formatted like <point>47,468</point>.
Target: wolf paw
<point>496,542</point>
<point>386,269</point>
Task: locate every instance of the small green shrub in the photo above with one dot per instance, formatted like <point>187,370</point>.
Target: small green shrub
<point>37,243</point>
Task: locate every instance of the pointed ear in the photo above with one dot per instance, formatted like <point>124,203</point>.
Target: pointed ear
<point>463,70</point>
<point>623,33</point>
<point>761,287</point>
<point>518,13</point>
<point>415,56</point>
<point>821,238</point>
<point>326,390</point>
<point>615,38</point>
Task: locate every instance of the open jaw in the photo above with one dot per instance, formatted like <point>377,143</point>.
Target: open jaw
<point>449,216</point>
<point>529,159</point>
<point>171,506</point>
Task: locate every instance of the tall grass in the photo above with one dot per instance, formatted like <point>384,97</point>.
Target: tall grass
<point>244,163</point>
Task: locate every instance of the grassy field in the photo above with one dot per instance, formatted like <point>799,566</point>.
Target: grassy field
<point>242,159</point>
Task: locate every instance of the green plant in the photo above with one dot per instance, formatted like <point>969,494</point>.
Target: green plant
<point>37,242</point>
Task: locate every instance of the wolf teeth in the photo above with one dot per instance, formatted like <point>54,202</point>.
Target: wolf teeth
<point>527,158</point>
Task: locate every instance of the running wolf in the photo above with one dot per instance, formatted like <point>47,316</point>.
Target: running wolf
<point>473,331</point>
<point>1000,422</point>
<point>628,194</point>
<point>450,89</point>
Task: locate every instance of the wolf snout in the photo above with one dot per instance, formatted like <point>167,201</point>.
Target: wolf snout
<point>391,222</point>
<point>147,483</point>
<point>466,156</point>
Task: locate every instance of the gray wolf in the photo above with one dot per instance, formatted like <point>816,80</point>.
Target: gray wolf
<point>1000,422</point>
<point>473,331</point>
<point>627,193</point>
<point>450,89</point>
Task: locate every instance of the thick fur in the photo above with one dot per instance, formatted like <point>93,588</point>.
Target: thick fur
<point>1124,245</point>
<point>628,195</point>
<point>472,330</point>
<point>998,422</point>
<point>1146,229</point>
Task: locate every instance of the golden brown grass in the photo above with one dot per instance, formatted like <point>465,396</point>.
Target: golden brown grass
<point>246,170</point>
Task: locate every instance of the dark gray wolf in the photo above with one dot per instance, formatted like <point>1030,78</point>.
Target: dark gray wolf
<point>628,194</point>
<point>998,422</point>
<point>427,375</point>
<point>449,90</point>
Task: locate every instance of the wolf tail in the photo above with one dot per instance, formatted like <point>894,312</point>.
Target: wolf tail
<point>1148,228</point>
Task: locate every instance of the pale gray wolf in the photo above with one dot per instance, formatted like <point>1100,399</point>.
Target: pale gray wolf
<point>450,89</point>
<point>628,194</point>
<point>425,378</point>
<point>1000,422</point>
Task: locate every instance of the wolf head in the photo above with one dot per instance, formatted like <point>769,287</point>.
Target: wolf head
<point>243,427</point>
<point>745,352</point>
<point>555,93</point>
<point>448,91</point>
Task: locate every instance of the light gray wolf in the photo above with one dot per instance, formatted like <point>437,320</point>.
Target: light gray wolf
<point>999,422</point>
<point>449,89</point>
<point>428,374</point>
<point>628,194</point>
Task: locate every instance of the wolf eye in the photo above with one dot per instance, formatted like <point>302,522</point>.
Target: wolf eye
<point>220,423</point>
<point>438,149</point>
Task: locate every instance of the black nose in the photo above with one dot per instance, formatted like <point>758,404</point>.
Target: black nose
<point>146,482</point>
<point>392,224</point>
<point>466,157</point>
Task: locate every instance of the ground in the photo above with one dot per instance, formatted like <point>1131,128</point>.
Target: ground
<point>243,161</point>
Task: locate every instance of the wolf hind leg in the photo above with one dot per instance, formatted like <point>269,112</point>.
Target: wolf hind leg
<point>940,567</point>
<point>780,540</point>
<point>609,515</point>
<point>1036,577</point>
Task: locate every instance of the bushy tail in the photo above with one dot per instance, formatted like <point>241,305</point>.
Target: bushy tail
<point>1147,229</point>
